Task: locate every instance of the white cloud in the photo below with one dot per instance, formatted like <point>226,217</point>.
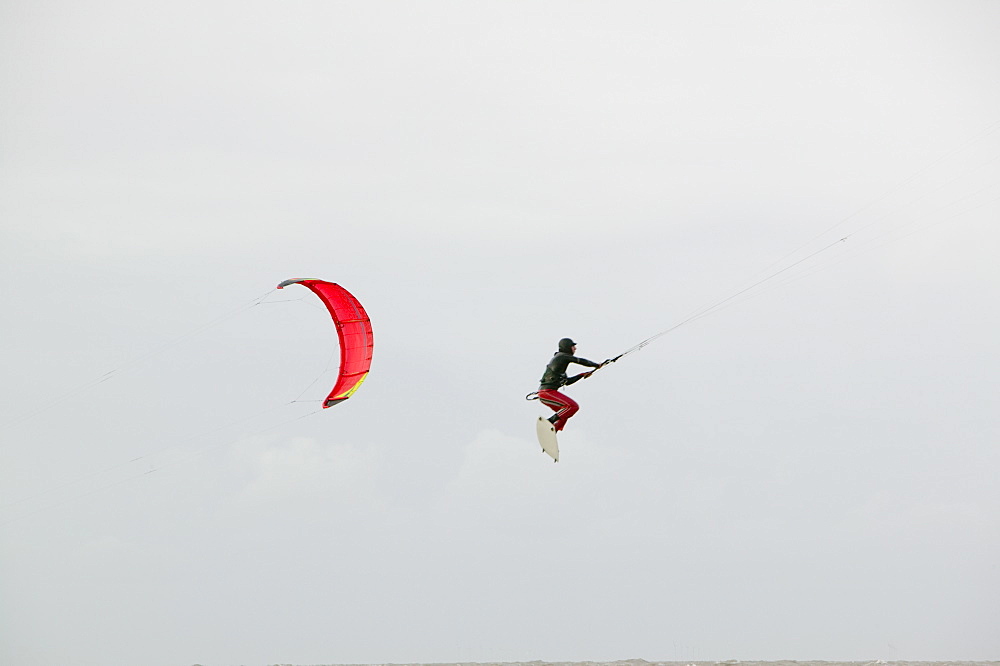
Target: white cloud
<point>305,470</point>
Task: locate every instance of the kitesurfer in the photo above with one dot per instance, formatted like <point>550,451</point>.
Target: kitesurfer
<point>555,378</point>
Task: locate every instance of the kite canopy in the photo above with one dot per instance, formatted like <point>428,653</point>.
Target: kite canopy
<point>354,330</point>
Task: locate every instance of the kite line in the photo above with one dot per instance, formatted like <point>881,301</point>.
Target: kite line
<point>769,274</point>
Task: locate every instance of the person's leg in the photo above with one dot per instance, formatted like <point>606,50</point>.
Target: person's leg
<point>563,406</point>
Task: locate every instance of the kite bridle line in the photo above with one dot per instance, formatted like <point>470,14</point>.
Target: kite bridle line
<point>128,364</point>
<point>173,443</point>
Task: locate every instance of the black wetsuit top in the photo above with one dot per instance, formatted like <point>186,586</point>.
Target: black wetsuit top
<point>555,372</point>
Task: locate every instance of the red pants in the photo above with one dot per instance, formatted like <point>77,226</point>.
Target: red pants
<point>563,405</point>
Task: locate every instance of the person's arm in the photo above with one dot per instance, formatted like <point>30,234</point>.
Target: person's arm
<point>585,361</point>
<point>583,375</point>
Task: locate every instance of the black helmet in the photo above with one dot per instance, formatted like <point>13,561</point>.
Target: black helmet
<point>566,345</point>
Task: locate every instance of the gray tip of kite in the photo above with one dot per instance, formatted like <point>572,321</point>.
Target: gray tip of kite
<point>292,281</point>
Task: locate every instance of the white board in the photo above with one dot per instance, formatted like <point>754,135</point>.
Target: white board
<point>547,438</point>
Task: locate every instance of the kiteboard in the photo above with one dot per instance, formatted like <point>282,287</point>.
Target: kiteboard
<point>547,438</point>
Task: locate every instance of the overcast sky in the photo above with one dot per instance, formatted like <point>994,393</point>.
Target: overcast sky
<point>807,472</point>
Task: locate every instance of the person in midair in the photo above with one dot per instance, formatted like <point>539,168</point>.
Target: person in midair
<point>555,378</point>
